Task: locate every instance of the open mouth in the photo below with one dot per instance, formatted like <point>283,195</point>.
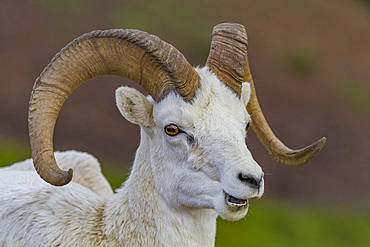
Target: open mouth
<point>235,202</point>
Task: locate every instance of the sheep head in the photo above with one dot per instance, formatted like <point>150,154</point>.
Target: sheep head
<point>198,155</point>
<point>194,119</point>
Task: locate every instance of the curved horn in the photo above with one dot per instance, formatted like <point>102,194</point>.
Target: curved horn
<point>228,59</point>
<point>228,54</point>
<point>272,144</point>
<point>136,55</point>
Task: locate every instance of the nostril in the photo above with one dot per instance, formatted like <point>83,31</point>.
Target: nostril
<point>250,180</point>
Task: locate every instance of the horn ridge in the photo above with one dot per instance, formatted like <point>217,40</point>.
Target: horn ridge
<point>136,55</point>
<point>227,55</point>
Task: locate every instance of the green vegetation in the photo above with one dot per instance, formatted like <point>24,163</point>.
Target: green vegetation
<point>277,224</point>
<point>356,96</point>
<point>115,176</point>
<point>301,61</point>
<point>11,152</point>
<point>267,223</point>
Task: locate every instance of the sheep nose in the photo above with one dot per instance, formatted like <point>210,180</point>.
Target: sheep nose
<point>250,180</point>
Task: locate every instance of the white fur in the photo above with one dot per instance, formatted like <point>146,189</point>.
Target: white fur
<point>174,193</point>
<point>86,170</point>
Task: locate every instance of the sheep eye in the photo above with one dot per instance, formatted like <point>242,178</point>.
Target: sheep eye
<point>247,125</point>
<point>171,130</point>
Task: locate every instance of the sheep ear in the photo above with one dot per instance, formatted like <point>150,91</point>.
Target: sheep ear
<point>246,92</point>
<point>134,106</point>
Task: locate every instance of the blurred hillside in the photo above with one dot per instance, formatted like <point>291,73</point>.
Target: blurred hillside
<point>309,59</point>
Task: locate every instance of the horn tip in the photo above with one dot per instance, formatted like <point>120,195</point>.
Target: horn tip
<point>311,151</point>
<point>58,178</point>
<point>295,158</point>
<point>65,178</point>
<point>320,143</point>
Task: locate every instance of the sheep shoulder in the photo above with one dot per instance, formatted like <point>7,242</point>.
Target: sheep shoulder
<point>36,214</point>
<point>86,170</point>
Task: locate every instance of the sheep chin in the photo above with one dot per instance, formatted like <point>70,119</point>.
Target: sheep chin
<point>231,208</point>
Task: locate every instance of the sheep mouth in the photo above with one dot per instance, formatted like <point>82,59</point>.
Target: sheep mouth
<point>235,202</point>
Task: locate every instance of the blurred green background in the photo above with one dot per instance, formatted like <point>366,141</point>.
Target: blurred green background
<point>310,63</point>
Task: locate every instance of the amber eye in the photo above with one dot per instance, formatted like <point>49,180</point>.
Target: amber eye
<point>171,130</point>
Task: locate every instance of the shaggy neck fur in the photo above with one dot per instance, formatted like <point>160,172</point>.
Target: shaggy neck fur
<point>139,214</point>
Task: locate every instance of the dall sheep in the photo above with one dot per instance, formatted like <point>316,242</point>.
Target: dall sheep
<point>192,164</point>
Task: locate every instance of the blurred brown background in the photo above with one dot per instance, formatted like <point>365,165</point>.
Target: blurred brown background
<point>309,59</point>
